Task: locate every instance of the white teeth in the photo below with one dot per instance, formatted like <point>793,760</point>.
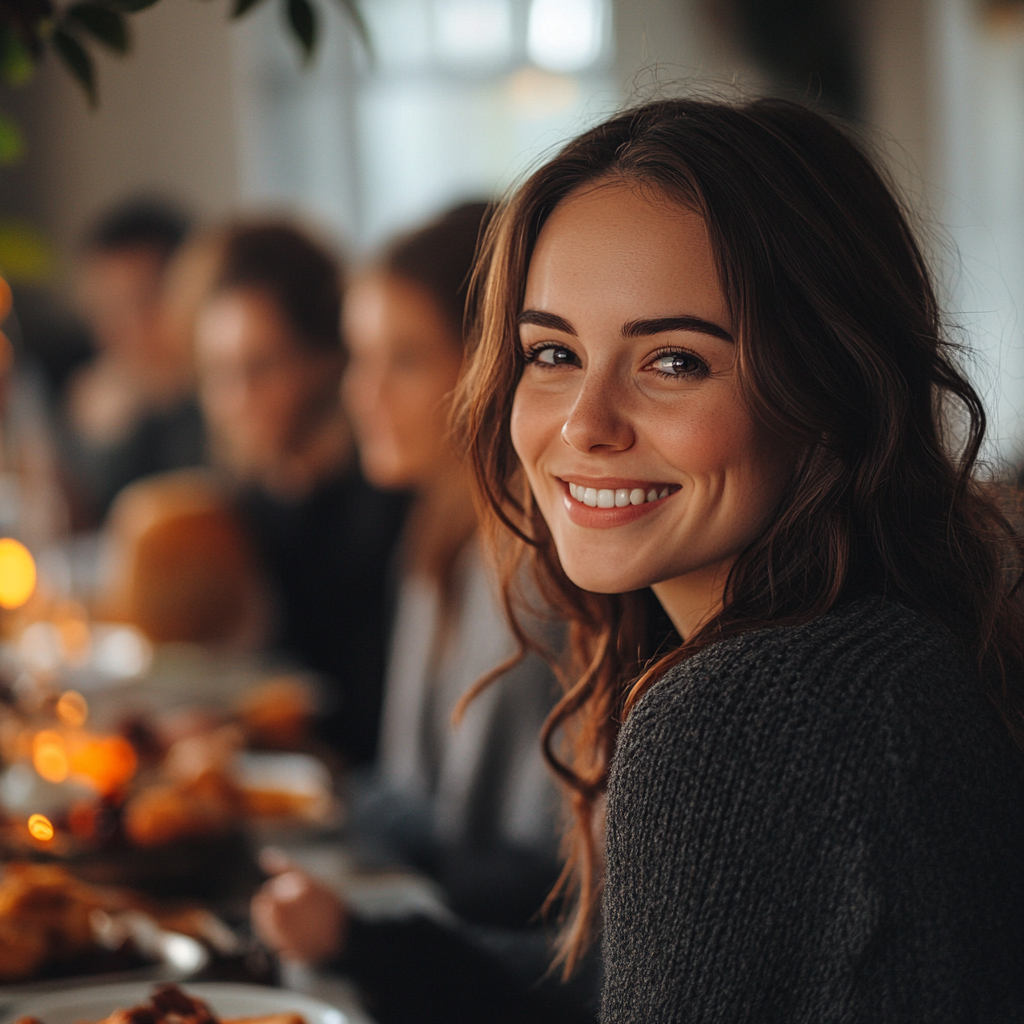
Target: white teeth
<point>620,497</point>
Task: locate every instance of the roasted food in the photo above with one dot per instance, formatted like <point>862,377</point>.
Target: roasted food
<point>170,1005</point>
<point>169,811</point>
<point>196,793</point>
<point>44,917</point>
<point>276,714</point>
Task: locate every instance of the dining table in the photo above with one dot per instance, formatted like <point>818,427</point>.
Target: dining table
<point>140,683</point>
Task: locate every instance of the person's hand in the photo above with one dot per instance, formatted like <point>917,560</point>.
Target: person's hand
<point>297,916</point>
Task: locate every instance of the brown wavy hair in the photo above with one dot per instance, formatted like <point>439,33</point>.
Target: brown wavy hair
<point>841,350</point>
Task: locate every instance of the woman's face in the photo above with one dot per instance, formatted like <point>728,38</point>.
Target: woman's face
<point>404,361</point>
<point>628,420</point>
<point>261,388</point>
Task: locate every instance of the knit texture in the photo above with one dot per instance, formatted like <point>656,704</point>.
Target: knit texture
<point>822,823</point>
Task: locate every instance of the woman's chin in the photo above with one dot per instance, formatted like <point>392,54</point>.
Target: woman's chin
<point>387,473</point>
<point>604,580</point>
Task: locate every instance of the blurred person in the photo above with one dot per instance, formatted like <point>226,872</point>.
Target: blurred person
<point>269,357</point>
<point>188,280</point>
<point>131,410</point>
<point>473,804</point>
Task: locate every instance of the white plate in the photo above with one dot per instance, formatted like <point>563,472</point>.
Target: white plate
<point>176,957</point>
<point>90,1004</point>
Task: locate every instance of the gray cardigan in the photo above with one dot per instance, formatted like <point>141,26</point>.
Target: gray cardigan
<point>816,824</point>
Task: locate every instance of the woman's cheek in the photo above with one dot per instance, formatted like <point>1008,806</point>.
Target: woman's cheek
<point>538,415</point>
<point>700,437</point>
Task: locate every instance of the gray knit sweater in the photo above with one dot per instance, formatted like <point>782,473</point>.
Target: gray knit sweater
<point>817,824</point>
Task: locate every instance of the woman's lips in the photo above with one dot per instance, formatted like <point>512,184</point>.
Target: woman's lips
<point>590,505</point>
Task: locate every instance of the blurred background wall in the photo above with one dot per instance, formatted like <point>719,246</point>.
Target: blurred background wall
<point>165,125</point>
<point>463,95</point>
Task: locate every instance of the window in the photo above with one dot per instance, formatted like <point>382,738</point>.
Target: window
<point>461,97</point>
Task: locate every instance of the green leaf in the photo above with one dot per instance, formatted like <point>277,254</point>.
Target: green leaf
<point>358,23</point>
<point>242,6</point>
<point>131,6</point>
<point>16,63</point>
<point>302,20</point>
<point>78,62</point>
<point>12,140</point>
<point>25,255</point>
<point>103,23</point>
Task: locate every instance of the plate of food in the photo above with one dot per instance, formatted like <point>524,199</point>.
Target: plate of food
<point>55,930</point>
<point>208,1003</point>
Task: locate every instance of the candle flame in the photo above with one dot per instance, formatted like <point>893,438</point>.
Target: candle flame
<point>17,574</point>
<point>40,828</point>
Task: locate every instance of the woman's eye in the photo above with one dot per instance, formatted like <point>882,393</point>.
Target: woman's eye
<point>679,364</point>
<point>552,355</point>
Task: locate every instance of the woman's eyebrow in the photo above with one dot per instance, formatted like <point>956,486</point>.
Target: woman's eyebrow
<point>643,328</point>
<point>541,319</point>
<point>632,328</point>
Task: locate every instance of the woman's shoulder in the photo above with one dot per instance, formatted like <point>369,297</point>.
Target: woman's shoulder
<point>867,639</point>
<point>871,666</point>
<point>872,705</point>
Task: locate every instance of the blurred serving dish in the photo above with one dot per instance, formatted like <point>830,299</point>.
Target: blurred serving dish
<point>227,1002</point>
<point>53,927</point>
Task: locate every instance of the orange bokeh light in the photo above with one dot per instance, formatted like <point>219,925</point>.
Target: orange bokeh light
<point>40,827</point>
<point>17,574</point>
<point>50,756</point>
<point>108,762</point>
<point>72,709</point>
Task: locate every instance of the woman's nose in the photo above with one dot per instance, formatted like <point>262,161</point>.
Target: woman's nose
<point>597,421</point>
<point>362,389</point>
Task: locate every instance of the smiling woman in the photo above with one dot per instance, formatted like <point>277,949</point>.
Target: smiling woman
<point>630,396</point>
<point>709,362</point>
